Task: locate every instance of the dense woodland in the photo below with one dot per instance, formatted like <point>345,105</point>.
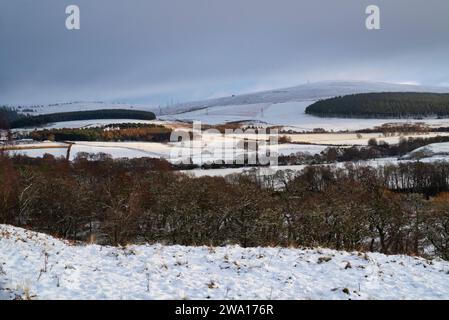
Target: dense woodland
<point>383,105</point>
<point>115,132</point>
<point>30,121</point>
<point>393,209</point>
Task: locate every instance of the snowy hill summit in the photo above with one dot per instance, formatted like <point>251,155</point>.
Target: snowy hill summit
<point>37,266</point>
<point>286,106</point>
<point>305,92</point>
<point>78,106</point>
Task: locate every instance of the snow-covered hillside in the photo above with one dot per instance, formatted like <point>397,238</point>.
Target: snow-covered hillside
<point>78,106</point>
<point>290,115</point>
<point>305,92</point>
<point>434,151</point>
<point>286,106</point>
<point>37,266</point>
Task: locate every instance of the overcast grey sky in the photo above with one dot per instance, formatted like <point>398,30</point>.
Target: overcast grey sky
<point>156,51</point>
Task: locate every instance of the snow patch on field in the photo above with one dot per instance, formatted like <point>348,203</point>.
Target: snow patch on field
<point>41,267</point>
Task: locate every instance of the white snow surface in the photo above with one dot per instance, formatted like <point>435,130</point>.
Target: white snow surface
<point>37,266</point>
<point>431,151</point>
<point>290,115</point>
<point>286,106</point>
<point>302,93</point>
<point>173,152</point>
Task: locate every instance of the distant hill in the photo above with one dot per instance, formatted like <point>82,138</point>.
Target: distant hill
<point>307,92</point>
<point>302,93</point>
<point>383,105</point>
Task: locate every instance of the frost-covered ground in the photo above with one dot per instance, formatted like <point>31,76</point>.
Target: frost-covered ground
<point>38,266</point>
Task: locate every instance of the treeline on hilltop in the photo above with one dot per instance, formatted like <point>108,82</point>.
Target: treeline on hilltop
<point>116,132</point>
<point>379,105</point>
<point>401,209</point>
<point>30,121</point>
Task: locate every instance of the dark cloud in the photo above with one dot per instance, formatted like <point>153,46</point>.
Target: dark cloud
<point>160,50</point>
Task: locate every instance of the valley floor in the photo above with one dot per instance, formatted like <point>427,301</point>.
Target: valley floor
<point>37,266</point>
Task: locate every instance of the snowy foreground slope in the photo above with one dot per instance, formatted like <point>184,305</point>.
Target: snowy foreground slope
<point>38,266</point>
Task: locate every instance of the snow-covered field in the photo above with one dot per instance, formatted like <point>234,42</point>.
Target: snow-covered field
<point>89,124</point>
<point>282,107</point>
<point>177,151</point>
<point>211,147</point>
<point>270,171</point>
<point>357,140</point>
<point>32,144</point>
<point>37,149</point>
<point>174,152</point>
<point>289,114</point>
<point>41,152</point>
<point>37,266</point>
